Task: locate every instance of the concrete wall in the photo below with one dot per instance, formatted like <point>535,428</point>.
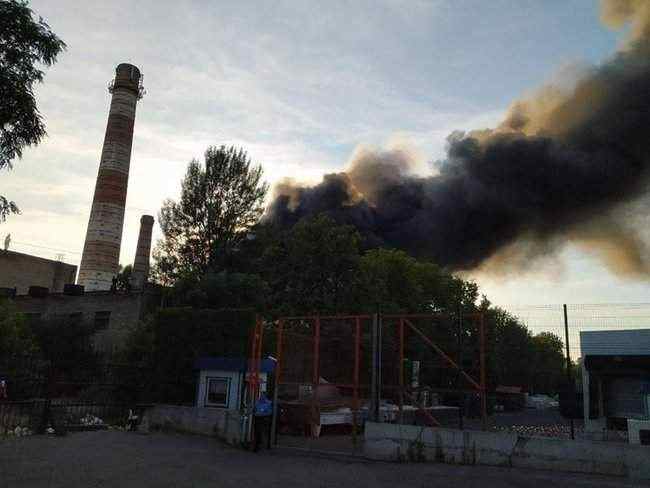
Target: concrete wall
<point>222,423</point>
<point>20,271</point>
<point>394,442</point>
<point>126,309</point>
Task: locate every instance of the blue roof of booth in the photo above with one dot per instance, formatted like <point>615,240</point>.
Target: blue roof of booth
<point>218,363</point>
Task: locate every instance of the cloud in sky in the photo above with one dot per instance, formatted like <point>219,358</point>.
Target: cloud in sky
<point>298,84</point>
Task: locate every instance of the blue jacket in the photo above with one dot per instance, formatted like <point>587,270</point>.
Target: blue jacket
<point>263,407</point>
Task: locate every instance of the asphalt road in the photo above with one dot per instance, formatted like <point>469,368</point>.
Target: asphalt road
<point>124,460</point>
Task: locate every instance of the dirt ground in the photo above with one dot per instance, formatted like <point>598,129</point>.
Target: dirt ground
<point>124,460</point>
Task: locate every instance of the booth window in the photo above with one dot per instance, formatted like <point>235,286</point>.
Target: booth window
<point>102,320</point>
<point>217,393</point>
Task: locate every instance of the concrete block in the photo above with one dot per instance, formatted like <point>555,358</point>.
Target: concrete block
<point>448,445</point>
<point>382,450</point>
<point>221,423</point>
<point>634,427</point>
<point>637,462</point>
<point>576,456</point>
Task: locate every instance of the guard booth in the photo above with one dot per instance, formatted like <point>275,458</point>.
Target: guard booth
<point>229,385</point>
<point>223,381</point>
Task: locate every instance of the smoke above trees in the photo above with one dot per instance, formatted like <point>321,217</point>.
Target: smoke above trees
<point>566,164</point>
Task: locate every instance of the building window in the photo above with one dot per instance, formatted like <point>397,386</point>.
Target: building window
<point>217,392</point>
<point>32,318</point>
<point>75,318</point>
<point>101,320</point>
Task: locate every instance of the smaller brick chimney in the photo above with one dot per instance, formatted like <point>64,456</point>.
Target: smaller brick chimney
<point>141,262</point>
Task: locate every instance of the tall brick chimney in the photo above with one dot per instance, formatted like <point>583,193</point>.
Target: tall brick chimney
<point>141,262</point>
<point>101,254</point>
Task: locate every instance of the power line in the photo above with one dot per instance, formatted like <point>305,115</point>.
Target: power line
<point>46,247</point>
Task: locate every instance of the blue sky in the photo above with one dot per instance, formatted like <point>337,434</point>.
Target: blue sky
<point>300,85</point>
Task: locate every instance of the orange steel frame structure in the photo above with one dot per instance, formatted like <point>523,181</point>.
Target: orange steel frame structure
<point>404,321</point>
<point>316,319</point>
<point>254,365</point>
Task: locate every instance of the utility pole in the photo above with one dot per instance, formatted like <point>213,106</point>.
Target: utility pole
<point>375,379</point>
<point>461,410</point>
<point>569,376</point>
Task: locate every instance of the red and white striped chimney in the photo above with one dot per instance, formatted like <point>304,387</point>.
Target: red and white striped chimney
<point>101,254</point>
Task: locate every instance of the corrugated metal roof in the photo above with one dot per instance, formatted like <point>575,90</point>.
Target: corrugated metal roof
<point>632,342</point>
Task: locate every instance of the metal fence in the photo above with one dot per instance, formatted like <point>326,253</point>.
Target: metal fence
<point>62,395</point>
<point>454,370</point>
<point>26,417</point>
<point>335,372</point>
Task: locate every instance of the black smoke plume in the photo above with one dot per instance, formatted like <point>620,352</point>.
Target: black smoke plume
<point>562,166</point>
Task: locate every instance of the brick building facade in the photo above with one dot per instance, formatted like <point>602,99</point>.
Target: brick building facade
<point>111,314</point>
<point>20,271</point>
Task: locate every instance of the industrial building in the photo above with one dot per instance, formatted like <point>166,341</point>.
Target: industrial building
<point>45,290</point>
<point>111,315</point>
<point>19,271</point>
<point>616,380</point>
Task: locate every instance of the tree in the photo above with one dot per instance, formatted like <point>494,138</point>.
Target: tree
<point>65,342</point>
<point>510,350</point>
<point>395,282</point>
<point>16,338</point>
<point>313,268</point>
<point>549,371</point>
<point>122,280</point>
<point>225,290</point>
<point>24,43</point>
<point>220,201</point>
<point>165,346</point>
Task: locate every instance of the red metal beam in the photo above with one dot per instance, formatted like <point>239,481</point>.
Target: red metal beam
<point>357,345</point>
<point>401,370</point>
<point>278,364</point>
<point>443,355</point>
<point>426,413</point>
<point>357,358</point>
<point>316,376</point>
<point>327,317</point>
<point>483,380</point>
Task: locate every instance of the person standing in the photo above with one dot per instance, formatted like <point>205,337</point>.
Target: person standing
<point>262,414</point>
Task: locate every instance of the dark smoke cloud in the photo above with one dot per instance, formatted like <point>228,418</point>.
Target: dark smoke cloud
<point>561,166</point>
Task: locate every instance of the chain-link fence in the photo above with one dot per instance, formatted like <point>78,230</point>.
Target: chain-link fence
<point>500,370</point>
<point>335,373</point>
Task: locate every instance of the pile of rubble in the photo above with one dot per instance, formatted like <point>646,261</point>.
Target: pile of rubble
<point>556,430</point>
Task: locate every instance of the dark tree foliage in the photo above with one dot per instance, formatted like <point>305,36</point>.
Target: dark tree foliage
<point>122,280</point>
<point>317,267</point>
<point>166,345</point>
<point>220,201</point>
<point>393,281</point>
<point>518,358</point>
<point>66,343</point>
<point>225,290</point>
<point>16,337</point>
<point>24,44</point>
<point>548,363</point>
<point>313,268</point>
